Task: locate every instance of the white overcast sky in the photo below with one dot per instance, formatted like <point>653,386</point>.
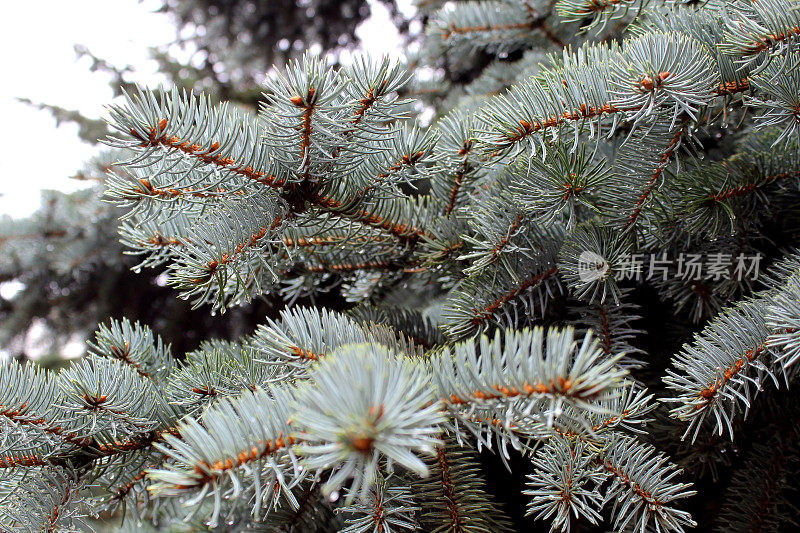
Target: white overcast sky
<point>39,63</point>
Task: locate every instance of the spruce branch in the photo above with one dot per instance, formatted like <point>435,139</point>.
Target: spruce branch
<point>657,162</point>
<point>777,95</point>
<point>417,326</point>
<point>404,219</point>
<point>472,229</point>
<point>611,323</point>
<point>498,232</point>
<point>564,485</point>
<point>716,194</point>
<point>389,508</point>
<point>134,345</point>
<point>460,168</point>
<point>707,26</point>
<point>661,71</point>
<point>561,185</point>
<point>629,411</point>
<point>305,113</point>
<point>28,398</point>
<point>388,413</point>
<point>642,488</point>
<point>589,261</point>
<point>497,296</point>
<point>497,26</point>
<point>394,162</point>
<point>783,320</point>
<point>103,399</point>
<point>756,32</point>
<point>271,427</point>
<point>307,509</point>
<point>521,368</point>
<point>305,335</point>
<point>373,93</point>
<point>48,502</point>
<point>64,421</point>
<point>232,439</point>
<point>727,364</point>
<point>453,497</point>
<point>720,367</point>
<point>654,75</point>
<point>230,247</point>
<point>216,371</point>
<point>221,144</point>
<point>548,101</point>
<point>601,11</point>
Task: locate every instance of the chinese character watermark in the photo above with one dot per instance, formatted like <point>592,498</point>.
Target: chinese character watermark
<point>690,267</point>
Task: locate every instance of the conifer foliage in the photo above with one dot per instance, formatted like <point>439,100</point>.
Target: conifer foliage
<point>495,262</point>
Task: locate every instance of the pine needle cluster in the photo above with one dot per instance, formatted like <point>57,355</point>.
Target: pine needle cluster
<point>502,269</point>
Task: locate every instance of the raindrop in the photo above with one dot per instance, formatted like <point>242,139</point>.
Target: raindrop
<point>334,496</point>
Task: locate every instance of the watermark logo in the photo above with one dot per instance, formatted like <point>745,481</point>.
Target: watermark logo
<point>591,266</point>
<point>691,267</point>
